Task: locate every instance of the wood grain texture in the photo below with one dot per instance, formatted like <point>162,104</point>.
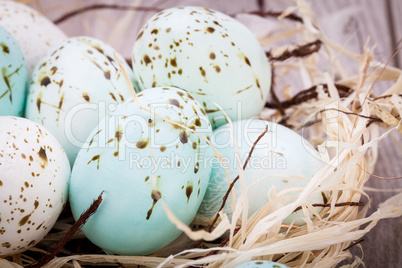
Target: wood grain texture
<point>394,17</point>
<point>347,22</point>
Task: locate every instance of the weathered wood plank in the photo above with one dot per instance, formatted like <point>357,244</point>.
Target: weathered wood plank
<point>395,21</point>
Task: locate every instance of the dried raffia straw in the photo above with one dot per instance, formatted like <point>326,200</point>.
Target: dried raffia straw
<point>342,118</point>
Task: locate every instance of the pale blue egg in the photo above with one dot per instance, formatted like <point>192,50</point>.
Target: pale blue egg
<point>261,264</point>
<point>73,87</point>
<point>213,56</point>
<point>140,161</point>
<point>13,80</point>
<point>281,151</point>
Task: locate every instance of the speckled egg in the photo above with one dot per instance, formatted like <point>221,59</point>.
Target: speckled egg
<point>34,32</point>
<point>14,76</point>
<point>280,153</point>
<point>141,161</point>
<point>34,176</point>
<point>261,264</point>
<point>73,87</point>
<point>211,55</point>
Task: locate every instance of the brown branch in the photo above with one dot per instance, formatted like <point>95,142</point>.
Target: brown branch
<point>261,6</point>
<point>73,13</point>
<point>385,96</point>
<point>70,233</point>
<point>308,94</point>
<point>276,14</point>
<point>224,199</point>
<point>379,177</point>
<point>78,11</point>
<point>222,244</point>
<point>299,52</point>
<point>354,244</point>
<point>351,113</point>
<point>237,178</point>
<point>344,204</point>
<point>276,102</point>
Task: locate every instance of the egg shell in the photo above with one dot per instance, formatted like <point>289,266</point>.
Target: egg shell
<point>281,151</point>
<point>14,76</point>
<point>261,264</point>
<point>34,176</point>
<point>211,55</point>
<point>34,32</point>
<point>73,87</point>
<point>119,161</point>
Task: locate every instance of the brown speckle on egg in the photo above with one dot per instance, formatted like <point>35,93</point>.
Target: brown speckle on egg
<point>147,59</point>
<point>155,195</point>
<point>174,102</point>
<point>45,81</point>
<point>210,29</point>
<point>196,167</point>
<point>183,137</point>
<point>85,96</point>
<point>203,73</point>
<point>189,191</point>
<point>141,144</point>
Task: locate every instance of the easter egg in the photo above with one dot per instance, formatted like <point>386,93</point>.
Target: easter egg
<point>211,55</point>
<point>72,87</point>
<point>13,82</point>
<point>280,154</point>
<point>34,177</point>
<point>34,32</point>
<point>142,162</point>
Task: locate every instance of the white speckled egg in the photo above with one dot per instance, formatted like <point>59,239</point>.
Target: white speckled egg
<point>34,32</point>
<point>141,161</point>
<point>13,82</point>
<point>280,152</point>
<point>34,176</point>
<point>73,87</point>
<point>261,264</point>
<point>211,55</point>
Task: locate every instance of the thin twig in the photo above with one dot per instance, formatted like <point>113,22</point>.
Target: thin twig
<point>73,13</point>
<point>351,113</point>
<point>224,199</point>
<point>276,102</point>
<point>354,244</point>
<point>276,14</point>
<point>308,94</point>
<point>78,11</point>
<point>344,204</point>
<point>222,244</point>
<point>385,96</point>
<point>379,177</point>
<point>70,233</point>
<point>299,52</point>
<point>237,178</point>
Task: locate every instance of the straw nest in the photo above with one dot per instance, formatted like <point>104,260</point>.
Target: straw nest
<point>339,114</point>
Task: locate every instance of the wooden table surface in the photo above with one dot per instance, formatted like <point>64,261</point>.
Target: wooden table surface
<point>347,22</point>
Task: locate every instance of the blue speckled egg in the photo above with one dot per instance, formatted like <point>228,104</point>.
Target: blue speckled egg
<point>73,87</point>
<point>261,264</point>
<point>211,55</point>
<point>140,161</point>
<point>13,80</point>
<point>280,152</point>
